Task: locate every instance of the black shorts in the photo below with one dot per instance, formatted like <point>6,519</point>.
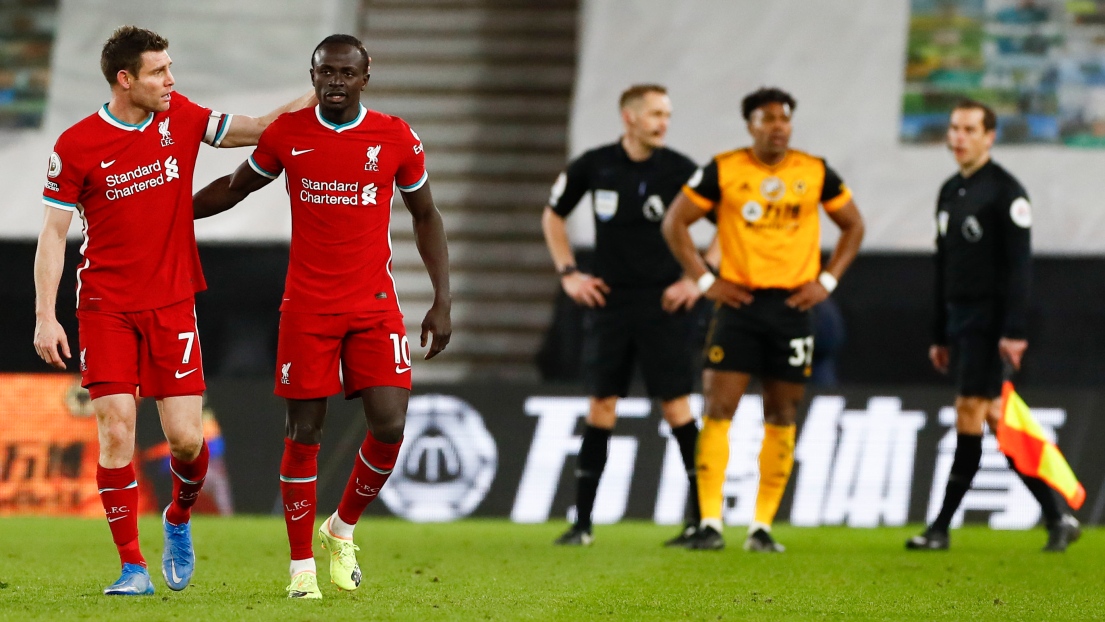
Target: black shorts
<point>632,327</point>
<point>766,338</point>
<point>973,334</point>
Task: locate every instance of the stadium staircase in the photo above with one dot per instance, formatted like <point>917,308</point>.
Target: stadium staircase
<point>487,86</point>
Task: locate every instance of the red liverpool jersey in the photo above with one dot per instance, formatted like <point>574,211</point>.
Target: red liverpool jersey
<point>132,185</point>
<point>340,180</point>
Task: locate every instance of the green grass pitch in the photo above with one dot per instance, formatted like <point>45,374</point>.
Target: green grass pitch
<point>55,569</point>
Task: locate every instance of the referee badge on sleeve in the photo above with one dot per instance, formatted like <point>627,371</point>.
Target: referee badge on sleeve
<point>695,179</point>
<point>1020,212</point>
<point>558,189</point>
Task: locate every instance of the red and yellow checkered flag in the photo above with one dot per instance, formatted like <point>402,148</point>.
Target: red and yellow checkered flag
<point>1022,439</point>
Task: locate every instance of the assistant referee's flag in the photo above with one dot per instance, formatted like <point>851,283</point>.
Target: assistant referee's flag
<point>1022,439</point>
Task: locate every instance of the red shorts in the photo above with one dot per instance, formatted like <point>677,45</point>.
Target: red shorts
<point>371,348</point>
<point>157,351</point>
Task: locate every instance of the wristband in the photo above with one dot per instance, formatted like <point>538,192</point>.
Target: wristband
<point>568,269</point>
<point>827,281</point>
<point>706,281</point>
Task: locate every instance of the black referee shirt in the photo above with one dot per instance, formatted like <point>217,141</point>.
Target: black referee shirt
<point>983,250</point>
<point>629,200</point>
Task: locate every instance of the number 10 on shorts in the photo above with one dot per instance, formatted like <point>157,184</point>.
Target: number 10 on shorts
<point>803,352</point>
<point>402,349</point>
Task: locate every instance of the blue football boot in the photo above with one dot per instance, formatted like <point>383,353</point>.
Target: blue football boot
<point>135,581</point>
<point>178,561</point>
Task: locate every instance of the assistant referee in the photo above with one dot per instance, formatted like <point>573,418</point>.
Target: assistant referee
<point>983,269</point>
<point>637,299</point>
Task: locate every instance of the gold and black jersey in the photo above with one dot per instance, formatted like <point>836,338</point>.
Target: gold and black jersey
<point>768,225</point>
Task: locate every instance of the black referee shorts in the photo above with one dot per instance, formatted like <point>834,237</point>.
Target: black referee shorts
<point>632,327</point>
<point>973,333</point>
<point>766,338</point>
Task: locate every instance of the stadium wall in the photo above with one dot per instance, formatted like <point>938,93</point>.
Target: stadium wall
<point>866,456</point>
<point>844,61</point>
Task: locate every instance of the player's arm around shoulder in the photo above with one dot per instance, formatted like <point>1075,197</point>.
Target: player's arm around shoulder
<point>227,191</point>
<point>429,232</point>
<point>50,340</point>
<point>246,131</point>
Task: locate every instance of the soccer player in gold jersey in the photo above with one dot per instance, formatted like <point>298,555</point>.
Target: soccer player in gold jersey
<point>766,199</point>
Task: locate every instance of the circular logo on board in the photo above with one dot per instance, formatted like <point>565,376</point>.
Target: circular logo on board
<point>773,188</point>
<point>752,211</point>
<point>447,462</point>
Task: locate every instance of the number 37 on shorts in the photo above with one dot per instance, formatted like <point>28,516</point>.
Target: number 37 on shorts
<point>801,355</point>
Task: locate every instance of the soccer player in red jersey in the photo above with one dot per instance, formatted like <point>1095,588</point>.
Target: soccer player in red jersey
<point>341,162</point>
<point>127,170</point>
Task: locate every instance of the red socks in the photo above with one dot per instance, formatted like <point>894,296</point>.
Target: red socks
<point>298,475</point>
<point>119,494</point>
<point>187,481</point>
<point>371,469</point>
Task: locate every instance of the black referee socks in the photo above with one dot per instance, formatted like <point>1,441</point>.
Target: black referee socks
<point>968,456</point>
<point>591,462</point>
<point>686,436</point>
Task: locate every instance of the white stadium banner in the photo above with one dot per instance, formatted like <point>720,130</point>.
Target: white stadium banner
<point>855,467</point>
<point>865,456</point>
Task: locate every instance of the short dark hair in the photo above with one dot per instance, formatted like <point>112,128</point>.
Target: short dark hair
<point>124,48</point>
<point>342,40</point>
<point>765,95</point>
<point>638,91</point>
<point>989,117</point>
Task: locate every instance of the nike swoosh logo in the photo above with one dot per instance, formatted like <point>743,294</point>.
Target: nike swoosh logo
<point>172,565</point>
<point>180,375</point>
<point>112,520</point>
<point>300,516</point>
<point>106,164</point>
<point>362,494</point>
<point>296,152</point>
<point>401,370</point>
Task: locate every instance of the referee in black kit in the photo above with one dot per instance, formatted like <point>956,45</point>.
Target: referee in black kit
<point>983,269</point>
<point>638,301</point>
